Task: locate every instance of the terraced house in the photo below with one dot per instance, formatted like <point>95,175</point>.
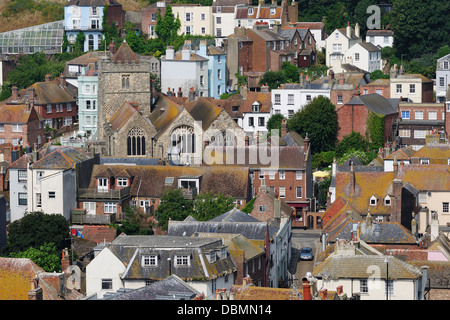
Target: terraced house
<point>135,261</point>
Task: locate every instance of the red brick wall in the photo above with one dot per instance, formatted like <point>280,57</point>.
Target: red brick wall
<point>351,118</point>
<point>290,183</point>
<point>115,14</point>
<point>347,95</point>
<point>260,58</point>
<point>29,133</point>
<point>147,17</point>
<point>386,90</point>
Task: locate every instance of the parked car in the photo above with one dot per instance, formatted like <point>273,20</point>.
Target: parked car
<point>306,253</point>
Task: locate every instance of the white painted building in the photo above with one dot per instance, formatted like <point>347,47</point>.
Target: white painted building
<point>292,97</point>
<point>18,187</point>
<point>339,41</point>
<point>186,70</point>
<point>365,56</point>
<point>372,276</point>
<point>382,38</point>
<point>442,78</point>
<point>133,261</point>
<point>52,181</point>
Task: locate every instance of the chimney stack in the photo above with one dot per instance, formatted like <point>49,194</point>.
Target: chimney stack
<point>112,48</point>
<point>191,94</point>
<point>62,80</point>
<point>48,77</point>
<point>14,94</point>
<point>306,143</point>
<point>357,31</point>
<point>283,127</point>
<point>323,293</point>
<point>36,292</point>
<point>277,208</point>
<point>65,260</point>
<point>306,289</point>
<point>352,178</point>
<point>302,80</point>
<point>349,30</point>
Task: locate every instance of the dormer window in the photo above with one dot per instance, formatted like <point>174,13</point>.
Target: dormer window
<point>273,11</point>
<point>122,182</point>
<point>102,185</point>
<point>250,11</point>
<point>149,260</point>
<point>373,201</point>
<point>182,260</point>
<point>211,256</point>
<point>255,107</point>
<point>387,201</point>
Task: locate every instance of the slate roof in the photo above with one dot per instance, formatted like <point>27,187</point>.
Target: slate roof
<point>165,112</point>
<point>358,266</point>
<point>370,46</point>
<point>130,161</point>
<point>376,103</point>
<point>253,230</point>
<point>130,249</point>
<point>374,32</point>
<point>375,233</point>
<point>61,158</point>
<point>170,288</point>
<point>206,112</point>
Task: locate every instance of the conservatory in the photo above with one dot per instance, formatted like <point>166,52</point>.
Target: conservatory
<point>47,38</point>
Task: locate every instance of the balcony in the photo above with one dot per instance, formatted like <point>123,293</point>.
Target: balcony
<point>79,216</point>
<point>111,194</point>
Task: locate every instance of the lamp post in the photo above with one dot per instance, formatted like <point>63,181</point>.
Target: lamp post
<point>387,278</point>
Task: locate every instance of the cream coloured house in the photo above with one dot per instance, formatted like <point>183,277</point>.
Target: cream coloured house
<point>365,56</point>
<point>132,262</point>
<point>339,41</point>
<point>195,19</point>
<point>371,276</point>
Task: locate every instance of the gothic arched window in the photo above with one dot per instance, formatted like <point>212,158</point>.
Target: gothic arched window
<point>183,138</point>
<point>223,139</point>
<point>136,142</point>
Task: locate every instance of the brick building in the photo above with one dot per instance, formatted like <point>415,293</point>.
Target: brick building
<point>20,125</point>
<point>380,86</point>
<point>418,120</point>
<point>352,116</point>
<point>54,101</point>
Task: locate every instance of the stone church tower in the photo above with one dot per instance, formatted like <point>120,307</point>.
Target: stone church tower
<point>123,77</point>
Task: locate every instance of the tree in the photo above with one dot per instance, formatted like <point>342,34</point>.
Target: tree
<point>36,229</point>
<point>172,206</point>
<point>352,141</point>
<point>273,79</point>
<point>274,123</point>
<point>318,119</point>
<point>378,74</point>
<point>47,257</point>
<point>209,205</point>
<point>135,223</point>
<point>166,29</point>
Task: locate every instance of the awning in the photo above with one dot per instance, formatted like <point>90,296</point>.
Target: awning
<point>321,174</point>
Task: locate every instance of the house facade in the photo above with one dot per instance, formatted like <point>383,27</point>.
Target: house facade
<point>52,181</point>
<point>365,56</point>
<point>419,121</point>
<point>20,125</point>
<point>134,261</point>
<point>382,38</point>
<point>18,197</point>
<point>186,70</point>
<point>339,41</point>
<point>442,78</point>
<point>88,103</point>
<point>86,17</point>
<point>413,87</point>
<point>217,68</point>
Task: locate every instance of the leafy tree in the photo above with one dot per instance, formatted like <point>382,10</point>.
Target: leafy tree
<point>353,141</point>
<point>274,123</point>
<point>378,74</point>
<point>209,205</point>
<point>322,159</point>
<point>273,79</point>
<point>166,29</point>
<point>361,155</point>
<point>36,229</point>
<point>318,119</point>
<point>291,72</point>
<point>375,131</point>
<point>173,206</point>
<point>135,223</point>
<point>47,257</point>
<point>420,27</point>
<point>248,208</point>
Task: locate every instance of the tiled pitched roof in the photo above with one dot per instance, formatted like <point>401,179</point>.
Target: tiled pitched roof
<point>165,112</point>
<point>206,112</point>
<point>246,292</point>
<point>404,153</point>
<point>15,114</point>
<point>263,98</point>
<point>150,180</point>
<point>358,266</point>
<point>61,158</point>
<point>441,151</point>
<point>125,54</point>
<point>426,178</point>
<point>122,115</point>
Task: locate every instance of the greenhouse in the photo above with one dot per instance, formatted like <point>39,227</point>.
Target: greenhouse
<point>46,37</point>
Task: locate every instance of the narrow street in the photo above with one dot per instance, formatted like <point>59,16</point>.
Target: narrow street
<point>304,238</point>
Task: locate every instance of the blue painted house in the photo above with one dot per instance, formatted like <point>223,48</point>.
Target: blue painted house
<point>217,68</point>
<point>86,16</point>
